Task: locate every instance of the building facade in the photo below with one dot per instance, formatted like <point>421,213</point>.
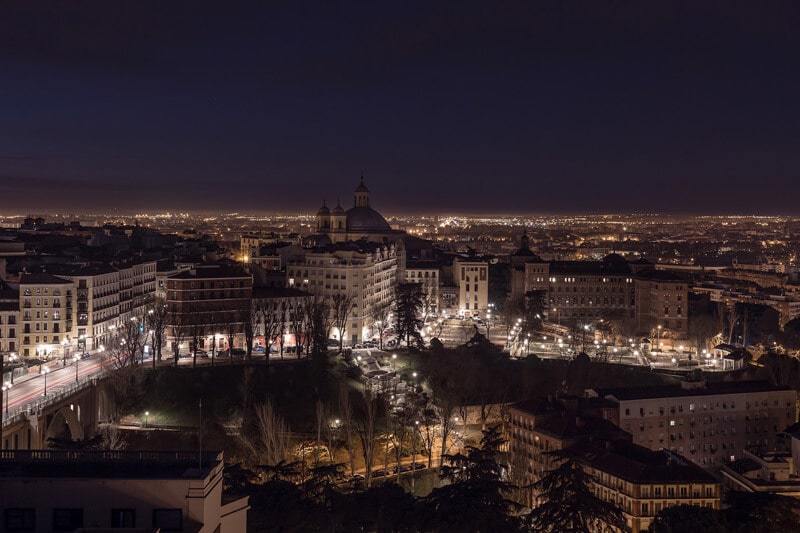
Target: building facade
<point>364,272</point>
<point>45,303</point>
<point>209,302</point>
<point>472,279</point>
<point>428,275</point>
<point>583,291</point>
<point>708,423</point>
<point>662,299</point>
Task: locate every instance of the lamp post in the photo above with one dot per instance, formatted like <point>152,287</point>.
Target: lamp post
<point>44,371</point>
<point>64,349</point>
<point>146,415</point>
<point>77,358</point>
<point>658,337</point>
<point>7,389</point>
<point>11,358</point>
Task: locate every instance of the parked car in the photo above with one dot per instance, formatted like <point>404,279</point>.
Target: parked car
<point>259,349</point>
<point>223,353</point>
<point>238,352</point>
<point>85,355</point>
<point>380,473</point>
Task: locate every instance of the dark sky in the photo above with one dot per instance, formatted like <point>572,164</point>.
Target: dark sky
<point>460,106</point>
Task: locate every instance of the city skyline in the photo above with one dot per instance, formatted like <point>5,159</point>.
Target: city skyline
<point>516,109</point>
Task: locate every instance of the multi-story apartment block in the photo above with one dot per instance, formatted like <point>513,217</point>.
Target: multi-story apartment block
<point>212,299</point>
<point>642,482</point>
<point>472,279</point>
<point>583,290</point>
<point>708,423</point>
<point>639,481</point>
<point>45,302</point>
<point>662,299</point>
<point>9,320</point>
<point>366,272</point>
<point>428,275</point>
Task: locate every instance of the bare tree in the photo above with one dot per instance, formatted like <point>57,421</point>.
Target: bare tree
<point>112,437</point>
<point>342,306</point>
<point>273,433</point>
<point>231,329</point>
<point>321,422</point>
<point>299,323</point>
<point>380,317</point>
<point>249,317</point>
<point>270,321</point>
<point>733,319</point>
<point>346,414</point>
<point>365,424</point>
<point>157,318</point>
<point>446,405</point>
<point>196,330</point>
<point>178,324</point>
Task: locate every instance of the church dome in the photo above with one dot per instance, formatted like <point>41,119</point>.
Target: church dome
<point>323,211</point>
<point>366,219</point>
<point>338,210</point>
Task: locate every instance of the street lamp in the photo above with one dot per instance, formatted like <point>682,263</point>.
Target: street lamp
<point>146,414</point>
<point>11,358</point>
<point>658,336</point>
<point>64,350</point>
<point>43,371</point>
<point>76,358</point>
<point>7,390</point>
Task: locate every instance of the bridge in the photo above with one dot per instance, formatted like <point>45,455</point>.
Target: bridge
<point>69,404</point>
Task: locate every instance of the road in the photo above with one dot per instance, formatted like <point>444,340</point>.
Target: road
<point>30,387</point>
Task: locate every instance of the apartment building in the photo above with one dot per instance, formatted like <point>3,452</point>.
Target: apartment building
<point>662,299</point>
<point>583,290</point>
<point>212,299</point>
<point>639,481</point>
<point>472,279</point>
<point>428,275</point>
<point>45,303</point>
<point>57,490</point>
<point>709,423</point>
<point>643,482</point>
<point>366,272</point>
<point>9,319</point>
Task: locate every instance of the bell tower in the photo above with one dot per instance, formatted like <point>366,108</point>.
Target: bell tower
<point>361,197</point>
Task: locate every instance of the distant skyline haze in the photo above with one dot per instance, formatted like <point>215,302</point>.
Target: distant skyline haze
<point>447,107</point>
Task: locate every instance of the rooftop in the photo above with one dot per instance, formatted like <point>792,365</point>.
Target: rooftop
<point>675,391</point>
<point>42,278</point>
<point>125,464</point>
<point>638,464</point>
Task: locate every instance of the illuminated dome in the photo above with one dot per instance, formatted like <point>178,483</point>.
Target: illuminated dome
<point>366,219</point>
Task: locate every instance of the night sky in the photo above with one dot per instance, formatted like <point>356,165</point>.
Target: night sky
<point>493,107</point>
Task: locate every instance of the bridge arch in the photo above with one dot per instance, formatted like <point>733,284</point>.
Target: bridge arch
<point>64,424</point>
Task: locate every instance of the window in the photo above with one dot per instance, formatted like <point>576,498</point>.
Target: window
<point>123,518</point>
<point>168,519</point>
<point>20,519</point>
<point>67,519</point>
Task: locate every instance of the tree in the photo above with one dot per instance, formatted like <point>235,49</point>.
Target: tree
<point>342,306</point>
<point>380,317</point>
<point>231,319</point>
<point>407,309</point>
<point>273,433</point>
<point>701,328</point>
<point>346,417</point>
<point>249,316</point>
<point>365,423</point>
<point>179,327</point>
<point>568,504</point>
<point>475,497</point>
<point>157,319</point>
<point>270,321</point>
<point>196,330</point>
